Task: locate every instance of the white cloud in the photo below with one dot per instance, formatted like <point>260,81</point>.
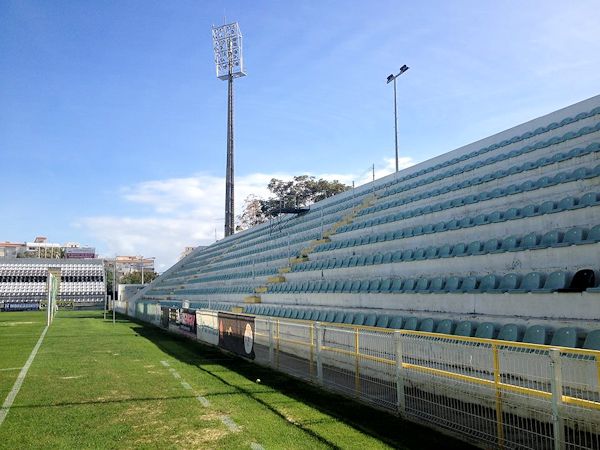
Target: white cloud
<point>188,211</point>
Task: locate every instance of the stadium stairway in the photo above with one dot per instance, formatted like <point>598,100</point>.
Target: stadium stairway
<point>304,254</point>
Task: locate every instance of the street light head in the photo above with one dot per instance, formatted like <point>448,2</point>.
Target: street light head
<point>403,69</point>
<point>390,78</point>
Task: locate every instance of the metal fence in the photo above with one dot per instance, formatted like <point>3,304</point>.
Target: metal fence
<point>494,393</point>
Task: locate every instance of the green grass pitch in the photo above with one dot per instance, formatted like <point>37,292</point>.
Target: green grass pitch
<point>98,385</point>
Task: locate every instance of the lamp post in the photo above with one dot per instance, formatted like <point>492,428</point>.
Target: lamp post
<point>391,78</point>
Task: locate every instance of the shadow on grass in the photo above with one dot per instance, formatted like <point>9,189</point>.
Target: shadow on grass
<point>381,425</point>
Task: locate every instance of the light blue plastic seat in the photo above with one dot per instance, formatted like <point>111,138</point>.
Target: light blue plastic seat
<point>359,319</point>
<point>382,321</point>
<point>364,286</point>
<point>370,320</point>
<point>422,285</point>
<point>445,326</point>
<point>510,332</point>
<point>594,234</point>
<point>427,325</point>
<point>374,286</point>
<point>397,285</point>
<point>474,248</point>
<point>555,281</point>
<point>437,285</point>
<point>511,214</point>
<point>395,322</point>
<point>385,286</point>
<point>565,337</point>
<point>369,260</point>
<point>531,282</point>
<point>551,239</point>
<point>469,284</point>
<point>574,236</point>
<point>397,256</point>
<point>547,207</point>
<point>355,288</point>
<point>445,251</point>
<point>488,283</point>
<point>459,249</point>
<point>529,211</point>
<point>589,199</point>
<point>411,323</point>
<point>566,204</point>
<point>491,246</point>
<point>592,340</point>
<point>322,316</point>
<point>338,286</point>
<point>508,283</point>
<point>419,254</point>
<point>349,318</point>
<point>465,328</point>
<point>346,286</point>
<point>330,317</point>
<point>387,258</point>
<point>536,334</point>
<point>453,284</point>
<point>486,330</point>
<point>432,252</point>
<point>529,241</point>
<point>408,285</point>
<point>407,255</point>
<point>314,315</point>
<point>339,317</point>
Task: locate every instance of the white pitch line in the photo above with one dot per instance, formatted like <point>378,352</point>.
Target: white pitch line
<point>229,423</point>
<point>10,398</point>
<point>165,363</point>
<point>256,446</point>
<point>186,385</point>
<point>203,401</point>
<point>10,368</point>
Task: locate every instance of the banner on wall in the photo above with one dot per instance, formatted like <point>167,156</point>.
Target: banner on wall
<point>236,334</point>
<point>207,323</point>
<point>20,306</point>
<point>187,321</point>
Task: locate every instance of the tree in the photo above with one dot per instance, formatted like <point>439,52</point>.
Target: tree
<point>252,213</point>
<point>301,191</point>
<point>136,277</point>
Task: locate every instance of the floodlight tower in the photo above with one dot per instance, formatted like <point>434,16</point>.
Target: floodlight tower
<point>227,43</point>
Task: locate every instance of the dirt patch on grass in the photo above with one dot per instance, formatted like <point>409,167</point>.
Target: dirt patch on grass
<point>150,427</point>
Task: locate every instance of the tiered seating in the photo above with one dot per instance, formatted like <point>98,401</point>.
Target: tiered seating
<point>480,241</point>
<point>25,281</point>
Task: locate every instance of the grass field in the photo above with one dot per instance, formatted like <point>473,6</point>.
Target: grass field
<point>98,385</point>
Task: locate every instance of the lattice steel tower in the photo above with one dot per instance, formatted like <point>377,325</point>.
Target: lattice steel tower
<point>227,42</point>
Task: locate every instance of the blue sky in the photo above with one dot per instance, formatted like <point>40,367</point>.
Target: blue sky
<point>112,122</point>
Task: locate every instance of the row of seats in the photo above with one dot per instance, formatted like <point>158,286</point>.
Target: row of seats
<point>542,182</point>
<point>492,147</point>
<point>206,291</point>
<point>535,334</point>
<point>547,207</point>
<point>535,282</point>
<point>558,157</point>
<point>530,241</point>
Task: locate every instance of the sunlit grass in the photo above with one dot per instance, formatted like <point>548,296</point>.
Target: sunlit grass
<point>98,385</point>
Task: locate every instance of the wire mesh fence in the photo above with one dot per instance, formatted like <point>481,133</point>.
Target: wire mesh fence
<point>498,394</point>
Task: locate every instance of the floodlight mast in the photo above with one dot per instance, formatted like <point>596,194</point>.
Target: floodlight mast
<point>391,78</point>
<point>227,42</point>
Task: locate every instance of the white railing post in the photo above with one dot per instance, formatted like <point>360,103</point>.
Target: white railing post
<point>271,346</point>
<point>319,345</point>
<point>400,399</point>
<point>557,390</point>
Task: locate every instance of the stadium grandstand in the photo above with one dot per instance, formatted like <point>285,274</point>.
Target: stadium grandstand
<point>481,261</point>
<point>24,283</point>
